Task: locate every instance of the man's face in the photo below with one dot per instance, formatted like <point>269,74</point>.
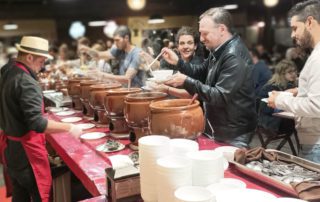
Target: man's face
<point>119,42</point>
<point>209,33</point>
<point>186,46</point>
<point>36,62</point>
<point>300,34</point>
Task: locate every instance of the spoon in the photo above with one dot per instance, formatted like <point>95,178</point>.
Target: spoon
<point>195,96</point>
<point>149,66</point>
<point>129,84</point>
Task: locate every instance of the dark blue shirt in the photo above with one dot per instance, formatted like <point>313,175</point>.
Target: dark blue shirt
<point>261,75</point>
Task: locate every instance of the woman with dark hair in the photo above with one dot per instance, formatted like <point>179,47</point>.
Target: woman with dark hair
<point>187,44</point>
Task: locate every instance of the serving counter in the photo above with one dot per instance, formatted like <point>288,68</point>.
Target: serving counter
<point>89,165</point>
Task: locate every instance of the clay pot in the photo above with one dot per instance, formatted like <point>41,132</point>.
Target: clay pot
<point>72,90</point>
<point>114,100</point>
<point>137,108</point>
<point>98,92</point>
<point>176,119</point>
<point>85,89</point>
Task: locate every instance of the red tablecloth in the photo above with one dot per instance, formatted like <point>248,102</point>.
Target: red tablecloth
<point>89,165</point>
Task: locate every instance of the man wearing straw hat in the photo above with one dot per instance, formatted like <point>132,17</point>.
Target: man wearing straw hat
<point>22,139</point>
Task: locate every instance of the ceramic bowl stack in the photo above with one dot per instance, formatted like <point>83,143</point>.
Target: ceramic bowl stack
<point>288,200</point>
<point>150,149</point>
<point>207,167</point>
<point>225,185</point>
<point>227,152</point>
<point>172,172</point>
<point>247,195</point>
<point>180,147</point>
<point>193,194</point>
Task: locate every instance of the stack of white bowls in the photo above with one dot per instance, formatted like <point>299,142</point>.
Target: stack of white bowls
<point>227,152</point>
<point>207,167</point>
<point>172,172</point>
<point>180,147</point>
<point>245,195</point>
<point>150,149</point>
<point>193,194</point>
<point>287,200</point>
<point>225,185</point>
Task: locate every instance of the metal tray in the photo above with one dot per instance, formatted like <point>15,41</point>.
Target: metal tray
<point>274,182</point>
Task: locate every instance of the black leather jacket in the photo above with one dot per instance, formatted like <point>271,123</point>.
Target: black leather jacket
<point>225,85</point>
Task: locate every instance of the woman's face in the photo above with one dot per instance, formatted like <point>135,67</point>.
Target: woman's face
<point>186,47</point>
<point>290,74</point>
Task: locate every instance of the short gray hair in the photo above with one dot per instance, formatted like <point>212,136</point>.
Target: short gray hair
<point>305,9</point>
<point>219,15</point>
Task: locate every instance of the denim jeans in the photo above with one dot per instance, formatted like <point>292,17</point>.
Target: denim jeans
<point>310,152</point>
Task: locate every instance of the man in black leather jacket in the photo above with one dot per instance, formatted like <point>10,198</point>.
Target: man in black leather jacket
<point>223,81</point>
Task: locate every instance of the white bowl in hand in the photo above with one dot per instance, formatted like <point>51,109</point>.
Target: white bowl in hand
<point>162,75</point>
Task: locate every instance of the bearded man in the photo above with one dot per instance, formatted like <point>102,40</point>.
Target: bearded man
<point>305,19</point>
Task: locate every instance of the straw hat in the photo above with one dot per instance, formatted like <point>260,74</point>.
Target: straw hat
<point>35,46</point>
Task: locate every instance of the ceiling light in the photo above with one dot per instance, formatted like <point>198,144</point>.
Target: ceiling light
<point>156,19</point>
<point>109,29</point>
<point>136,5</point>
<point>270,3</point>
<point>231,6</point>
<point>77,29</point>
<point>10,26</point>
<point>100,23</point>
<point>261,24</point>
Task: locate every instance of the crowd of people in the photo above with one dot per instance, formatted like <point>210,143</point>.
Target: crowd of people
<point>230,84</point>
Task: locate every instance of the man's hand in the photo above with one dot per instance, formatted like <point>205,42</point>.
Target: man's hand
<point>272,99</point>
<point>170,56</point>
<point>75,130</point>
<point>176,80</point>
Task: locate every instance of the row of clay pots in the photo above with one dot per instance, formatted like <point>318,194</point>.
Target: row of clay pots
<point>174,118</point>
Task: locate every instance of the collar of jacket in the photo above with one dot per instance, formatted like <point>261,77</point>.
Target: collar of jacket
<point>217,53</point>
<point>32,73</point>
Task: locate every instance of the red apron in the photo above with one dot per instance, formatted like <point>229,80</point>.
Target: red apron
<point>34,146</point>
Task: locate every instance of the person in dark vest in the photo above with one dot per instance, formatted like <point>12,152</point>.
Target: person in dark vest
<point>22,139</point>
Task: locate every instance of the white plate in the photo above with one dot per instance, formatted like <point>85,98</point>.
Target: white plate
<point>57,109</point>
<point>65,113</point>
<point>48,91</point>
<point>71,119</point>
<point>103,148</point>
<point>93,136</point>
<point>86,126</point>
<point>264,100</point>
